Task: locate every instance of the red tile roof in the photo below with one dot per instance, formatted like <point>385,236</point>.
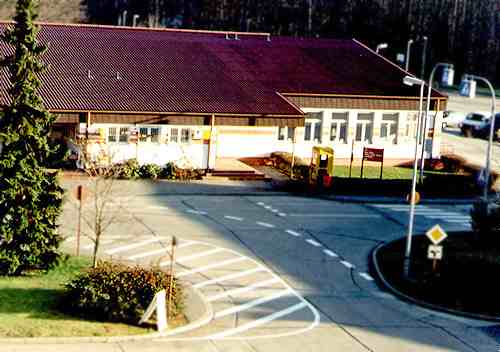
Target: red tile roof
<point>99,68</point>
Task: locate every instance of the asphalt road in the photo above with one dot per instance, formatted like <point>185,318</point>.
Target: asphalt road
<point>282,273</point>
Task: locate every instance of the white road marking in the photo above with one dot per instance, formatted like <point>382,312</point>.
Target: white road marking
<point>228,277</point>
<point>103,242</point>
<point>198,212</point>
<point>314,243</point>
<point>148,254</point>
<point>158,207</point>
<point>195,256</point>
<point>268,207</point>
<point>293,233</point>
<point>265,224</point>
<point>211,266</point>
<point>131,246</point>
<point>251,304</point>
<point>353,216</point>
<point>275,210</point>
<point>347,264</point>
<point>449,216</point>
<point>330,253</point>
<point>236,218</point>
<point>260,321</point>
<point>244,289</point>
<point>261,203</point>
<point>282,214</point>
<point>461,221</point>
<point>366,276</point>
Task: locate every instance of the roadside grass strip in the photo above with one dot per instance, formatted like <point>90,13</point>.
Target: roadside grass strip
<point>252,304</point>
<point>240,290</point>
<point>265,224</point>
<point>259,322</point>
<point>314,243</point>
<point>236,218</point>
<point>228,277</point>
<point>330,253</point>
<point>293,233</point>
<point>347,264</point>
<point>366,276</point>
<point>212,266</point>
<point>132,246</point>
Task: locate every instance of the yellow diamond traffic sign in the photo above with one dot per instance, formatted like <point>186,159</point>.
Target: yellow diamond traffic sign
<point>436,234</point>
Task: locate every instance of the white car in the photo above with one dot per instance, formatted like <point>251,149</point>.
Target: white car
<point>473,123</point>
<point>453,118</point>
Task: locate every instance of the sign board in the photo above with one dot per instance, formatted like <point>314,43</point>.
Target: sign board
<point>373,154</point>
<point>467,88</point>
<point>158,304</point>
<point>436,234</point>
<point>435,252</point>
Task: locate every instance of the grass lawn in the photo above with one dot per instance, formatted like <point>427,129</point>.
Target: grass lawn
<point>370,171</point>
<point>27,307</point>
<point>464,279</point>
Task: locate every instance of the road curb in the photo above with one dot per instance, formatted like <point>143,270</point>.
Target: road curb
<point>396,200</point>
<point>381,279</point>
<point>199,313</point>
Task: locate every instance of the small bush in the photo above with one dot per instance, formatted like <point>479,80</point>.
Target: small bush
<point>150,171</point>
<point>485,220</point>
<point>129,170</point>
<point>168,171</point>
<point>117,293</point>
<point>283,162</point>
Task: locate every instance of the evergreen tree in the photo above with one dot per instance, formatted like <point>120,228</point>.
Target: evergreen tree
<point>30,197</point>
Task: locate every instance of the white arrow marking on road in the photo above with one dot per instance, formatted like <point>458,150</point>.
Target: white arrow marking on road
<point>132,246</point>
<point>251,304</point>
<point>260,321</point>
<point>314,243</point>
<point>347,264</point>
<point>212,266</point>
<point>265,224</point>
<point>330,253</point>
<point>240,290</point>
<point>228,277</point>
<point>233,218</point>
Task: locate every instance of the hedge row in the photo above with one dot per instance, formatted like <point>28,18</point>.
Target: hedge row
<point>132,170</point>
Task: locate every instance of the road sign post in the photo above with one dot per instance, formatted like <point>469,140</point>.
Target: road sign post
<point>435,252</point>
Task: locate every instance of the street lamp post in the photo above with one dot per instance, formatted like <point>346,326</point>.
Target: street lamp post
<point>491,133</point>
<point>424,57</point>
<point>411,81</point>
<point>448,81</point>
<point>381,46</point>
<point>408,50</point>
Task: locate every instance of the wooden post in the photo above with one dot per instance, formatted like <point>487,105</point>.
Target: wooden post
<point>171,288</point>
<point>382,167</point>
<point>362,162</point>
<point>79,196</point>
<point>212,124</point>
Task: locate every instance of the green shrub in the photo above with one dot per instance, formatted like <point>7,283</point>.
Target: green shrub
<point>116,292</point>
<point>485,221</point>
<point>150,171</point>
<point>129,170</point>
<point>168,171</point>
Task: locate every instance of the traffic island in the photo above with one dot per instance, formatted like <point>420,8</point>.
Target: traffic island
<point>463,282</point>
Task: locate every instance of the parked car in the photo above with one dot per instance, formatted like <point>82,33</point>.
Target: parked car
<point>473,123</point>
<point>453,118</point>
<point>484,131</point>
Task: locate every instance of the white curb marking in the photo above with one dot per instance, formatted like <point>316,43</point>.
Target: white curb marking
<point>330,253</point>
<point>251,304</point>
<point>293,233</point>
<point>314,243</point>
<point>260,321</point>
<point>265,224</point>
<point>240,290</point>
<point>233,218</point>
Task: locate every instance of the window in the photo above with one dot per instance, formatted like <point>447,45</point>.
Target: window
<point>155,134</point>
<point>185,135</point>
<point>286,133</point>
<point>143,134</point>
<point>364,128</point>
<point>112,134</point>
<point>123,134</point>
<point>338,127</point>
<point>389,127</point>
<point>313,127</point>
<point>411,125</point>
<point>174,135</point>
<point>149,134</point>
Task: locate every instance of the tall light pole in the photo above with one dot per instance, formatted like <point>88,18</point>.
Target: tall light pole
<point>411,81</point>
<point>448,81</point>
<point>408,51</point>
<point>134,20</point>
<point>492,131</point>
<point>381,46</point>
<point>424,56</point>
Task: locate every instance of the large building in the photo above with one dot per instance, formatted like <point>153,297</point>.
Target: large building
<point>196,96</point>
